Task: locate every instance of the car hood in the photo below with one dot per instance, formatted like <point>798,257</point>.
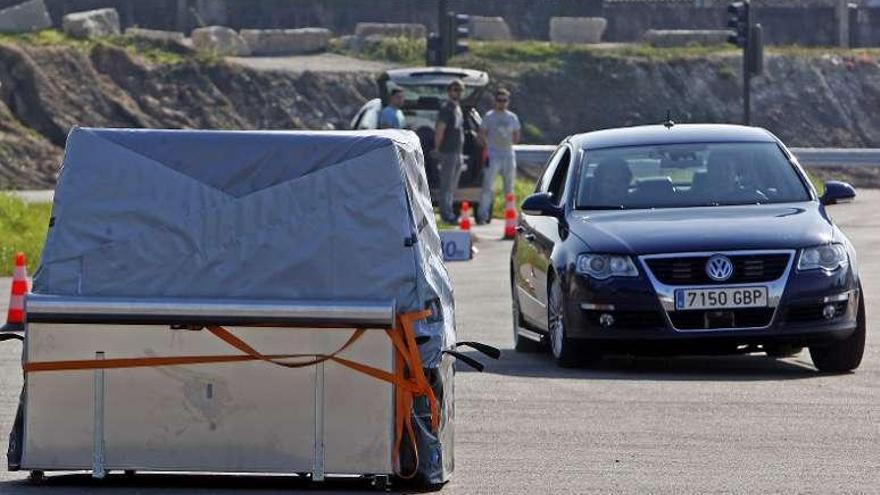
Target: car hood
<point>669,230</point>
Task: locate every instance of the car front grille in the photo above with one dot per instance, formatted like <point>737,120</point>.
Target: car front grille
<point>729,318</point>
<point>691,270</point>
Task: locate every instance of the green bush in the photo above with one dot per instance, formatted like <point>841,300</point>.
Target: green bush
<point>401,49</point>
<point>22,228</point>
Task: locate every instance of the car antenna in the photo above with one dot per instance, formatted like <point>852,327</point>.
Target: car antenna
<point>669,122</point>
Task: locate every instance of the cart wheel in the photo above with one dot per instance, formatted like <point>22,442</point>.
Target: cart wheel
<point>37,477</point>
<point>382,483</point>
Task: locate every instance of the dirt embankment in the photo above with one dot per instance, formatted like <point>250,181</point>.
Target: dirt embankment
<point>47,90</point>
<point>807,99</point>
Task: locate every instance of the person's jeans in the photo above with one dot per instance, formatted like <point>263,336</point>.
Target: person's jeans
<point>504,163</point>
<point>450,172</point>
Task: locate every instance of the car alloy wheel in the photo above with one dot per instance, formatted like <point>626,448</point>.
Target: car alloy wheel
<point>562,348</point>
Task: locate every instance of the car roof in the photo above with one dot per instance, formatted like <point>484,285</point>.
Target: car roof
<point>437,75</point>
<point>678,133</point>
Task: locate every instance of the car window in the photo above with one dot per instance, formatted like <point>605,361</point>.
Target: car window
<point>549,168</point>
<point>557,183</point>
<point>679,175</point>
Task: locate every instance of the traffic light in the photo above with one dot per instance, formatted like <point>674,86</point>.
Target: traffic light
<point>739,21</point>
<point>435,55</point>
<point>756,50</point>
<point>458,33</point>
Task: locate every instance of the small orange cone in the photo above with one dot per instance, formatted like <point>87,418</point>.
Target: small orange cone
<point>15,316</point>
<point>464,220</point>
<point>509,217</point>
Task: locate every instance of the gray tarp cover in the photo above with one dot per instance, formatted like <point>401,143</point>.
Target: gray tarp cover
<point>249,215</point>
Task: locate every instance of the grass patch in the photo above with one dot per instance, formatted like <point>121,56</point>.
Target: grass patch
<point>521,188</point>
<point>46,37</point>
<point>152,51</point>
<point>547,52</point>
<point>22,228</point>
<point>400,49</point>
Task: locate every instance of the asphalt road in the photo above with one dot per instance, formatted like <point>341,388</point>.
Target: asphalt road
<point>636,425</point>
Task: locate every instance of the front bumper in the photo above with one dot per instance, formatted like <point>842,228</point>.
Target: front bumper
<point>643,311</point>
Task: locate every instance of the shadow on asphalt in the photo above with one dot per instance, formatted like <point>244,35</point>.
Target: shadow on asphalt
<point>750,367</point>
<point>189,483</point>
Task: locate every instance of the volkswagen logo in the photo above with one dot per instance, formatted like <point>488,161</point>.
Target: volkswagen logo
<point>719,268</point>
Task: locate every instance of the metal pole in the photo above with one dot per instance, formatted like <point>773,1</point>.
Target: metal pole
<point>747,83</point>
<point>747,76</point>
<point>443,29</point>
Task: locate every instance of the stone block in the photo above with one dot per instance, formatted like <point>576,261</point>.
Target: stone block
<point>489,28</point>
<point>91,23</point>
<point>577,29</point>
<point>685,37</point>
<point>286,41</point>
<point>28,16</point>
<point>389,30</point>
<point>220,40</point>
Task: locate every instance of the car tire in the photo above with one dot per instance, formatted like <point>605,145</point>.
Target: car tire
<point>520,343</point>
<point>565,351</point>
<point>844,355</point>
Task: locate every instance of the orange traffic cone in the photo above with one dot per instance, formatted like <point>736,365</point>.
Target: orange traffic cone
<point>509,217</point>
<point>15,316</point>
<point>464,220</point>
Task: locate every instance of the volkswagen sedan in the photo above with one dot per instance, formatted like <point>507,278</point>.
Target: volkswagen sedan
<point>684,239</point>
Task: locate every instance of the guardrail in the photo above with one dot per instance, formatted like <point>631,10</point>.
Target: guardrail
<point>531,157</point>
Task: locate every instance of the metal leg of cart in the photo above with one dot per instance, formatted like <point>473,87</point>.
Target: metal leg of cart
<point>98,471</point>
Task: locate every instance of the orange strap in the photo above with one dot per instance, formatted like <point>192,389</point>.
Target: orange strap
<point>408,377</point>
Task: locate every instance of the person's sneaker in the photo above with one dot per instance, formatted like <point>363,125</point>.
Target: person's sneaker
<point>482,221</point>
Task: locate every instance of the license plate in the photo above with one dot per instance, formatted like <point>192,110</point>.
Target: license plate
<point>721,298</point>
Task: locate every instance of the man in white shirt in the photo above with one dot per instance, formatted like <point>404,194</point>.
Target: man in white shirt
<point>499,131</point>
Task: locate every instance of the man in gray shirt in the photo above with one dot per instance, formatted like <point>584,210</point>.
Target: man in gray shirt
<point>499,131</point>
<point>449,142</point>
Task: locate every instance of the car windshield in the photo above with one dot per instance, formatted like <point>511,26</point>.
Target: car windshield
<point>682,175</point>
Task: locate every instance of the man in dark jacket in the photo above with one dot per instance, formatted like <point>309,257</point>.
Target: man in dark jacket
<point>449,142</point>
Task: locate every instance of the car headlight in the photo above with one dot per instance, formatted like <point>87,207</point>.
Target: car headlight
<point>602,266</point>
<point>828,257</point>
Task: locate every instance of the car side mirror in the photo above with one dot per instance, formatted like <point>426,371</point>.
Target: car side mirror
<point>541,204</point>
<point>837,192</point>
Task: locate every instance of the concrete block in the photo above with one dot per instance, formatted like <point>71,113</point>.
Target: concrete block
<point>91,23</point>
<point>577,29</point>
<point>221,40</point>
<point>390,30</point>
<point>489,28</point>
<point>28,16</point>
<point>286,41</point>
<point>685,37</point>
<point>155,35</point>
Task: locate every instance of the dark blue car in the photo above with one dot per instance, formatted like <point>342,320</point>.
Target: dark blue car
<point>684,239</point>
